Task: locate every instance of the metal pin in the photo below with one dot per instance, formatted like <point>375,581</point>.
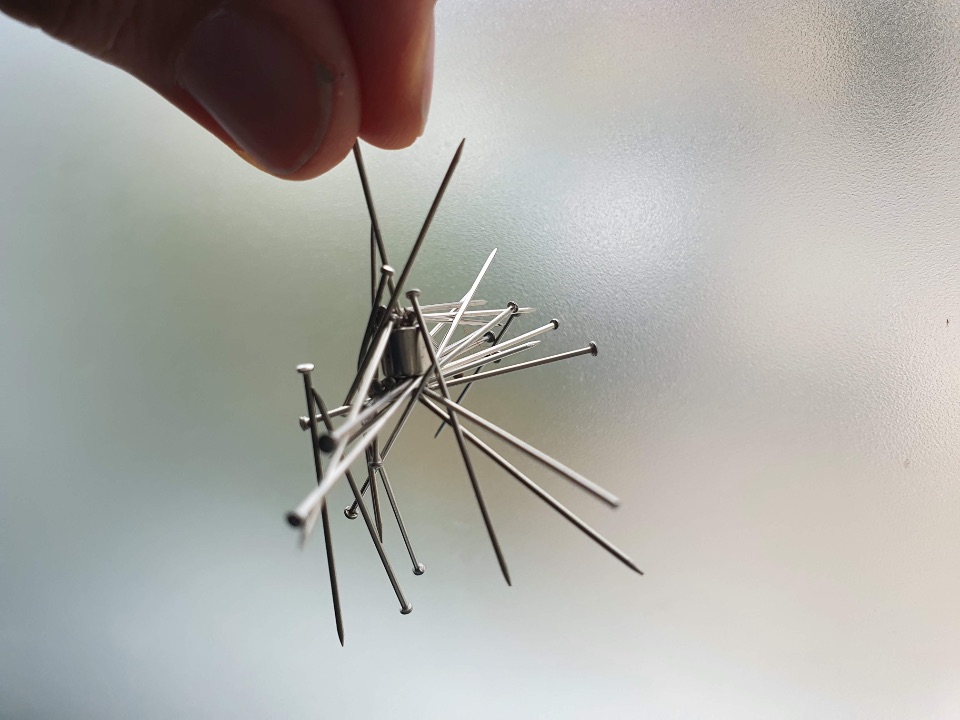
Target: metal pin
<point>411,259</point>
<point>488,339</point>
<point>368,198</point>
<point>329,441</point>
<point>351,512</point>
<point>477,313</point>
<point>406,415</point>
<point>552,325</point>
<point>373,266</point>
<point>368,369</point>
<point>591,349</point>
<point>539,492</point>
<point>458,347</point>
<point>336,412</point>
<point>374,492</point>
<point>463,306</point>
<point>418,568</point>
<point>386,272</point>
<point>463,393</point>
<point>427,309</point>
<point>456,368</point>
<point>405,607</point>
<point>338,465</point>
<point>478,493</point>
<point>542,457</point>
<point>305,370</point>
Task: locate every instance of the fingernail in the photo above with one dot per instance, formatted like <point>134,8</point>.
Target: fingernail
<point>427,87</point>
<point>260,83</point>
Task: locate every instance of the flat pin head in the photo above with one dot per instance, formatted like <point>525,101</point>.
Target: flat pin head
<point>387,270</point>
<point>306,368</point>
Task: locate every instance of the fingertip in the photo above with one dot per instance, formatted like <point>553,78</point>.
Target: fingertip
<point>394,47</point>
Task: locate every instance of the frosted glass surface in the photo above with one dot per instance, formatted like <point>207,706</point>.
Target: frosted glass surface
<point>753,208</point>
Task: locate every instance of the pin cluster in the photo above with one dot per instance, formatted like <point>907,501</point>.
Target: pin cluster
<point>413,355</point>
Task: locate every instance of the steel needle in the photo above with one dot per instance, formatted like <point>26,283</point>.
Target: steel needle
<point>539,492</point>
<point>413,296</point>
<point>591,349</point>
<point>405,607</point>
<point>538,455</point>
<point>305,370</point>
<point>463,393</point>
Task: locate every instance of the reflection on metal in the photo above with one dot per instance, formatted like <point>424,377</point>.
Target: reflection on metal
<point>409,355</point>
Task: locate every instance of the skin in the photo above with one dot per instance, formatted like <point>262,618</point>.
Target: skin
<point>376,55</point>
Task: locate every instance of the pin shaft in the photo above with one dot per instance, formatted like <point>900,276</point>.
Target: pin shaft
<point>558,467</point>
<point>538,491</point>
<point>454,423</point>
<point>405,606</point>
<point>324,517</point>
<point>589,350</point>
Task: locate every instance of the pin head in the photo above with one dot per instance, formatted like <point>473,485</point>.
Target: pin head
<point>593,349</point>
<point>387,270</point>
<point>305,368</point>
<point>411,294</point>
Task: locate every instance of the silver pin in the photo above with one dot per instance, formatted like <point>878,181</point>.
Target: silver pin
<point>368,198</point>
<point>409,357</point>
<point>306,369</point>
<point>329,441</point>
<point>478,314</point>
<point>460,310</point>
<point>411,259</point>
<point>427,309</point>
<point>542,457</point>
<point>457,368</point>
<point>478,493</point>
<point>339,465</point>
<point>493,341</point>
<point>539,492</point>
<point>458,347</point>
<point>386,272</point>
<point>591,349</point>
<point>500,347</point>
<point>418,568</point>
<point>405,607</point>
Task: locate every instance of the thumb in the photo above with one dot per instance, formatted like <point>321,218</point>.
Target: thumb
<point>274,79</point>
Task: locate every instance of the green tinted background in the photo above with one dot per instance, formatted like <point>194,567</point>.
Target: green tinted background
<point>751,207</point>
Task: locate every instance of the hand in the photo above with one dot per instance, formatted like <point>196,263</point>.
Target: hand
<point>288,84</point>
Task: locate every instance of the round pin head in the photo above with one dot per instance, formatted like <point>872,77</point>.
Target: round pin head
<point>305,368</point>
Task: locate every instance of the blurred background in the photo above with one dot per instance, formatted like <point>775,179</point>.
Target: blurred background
<point>751,207</point>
